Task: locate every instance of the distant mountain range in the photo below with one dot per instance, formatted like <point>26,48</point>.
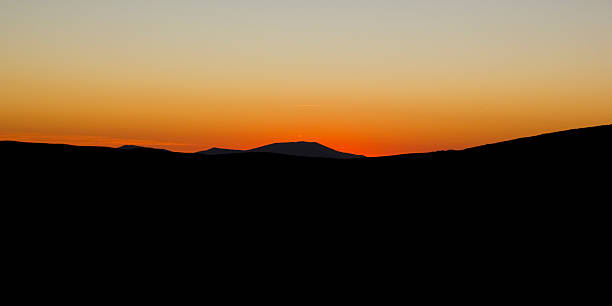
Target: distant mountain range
<point>579,141</point>
<point>301,148</point>
<point>548,164</point>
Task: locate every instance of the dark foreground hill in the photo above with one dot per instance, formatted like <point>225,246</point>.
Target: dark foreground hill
<point>501,213</point>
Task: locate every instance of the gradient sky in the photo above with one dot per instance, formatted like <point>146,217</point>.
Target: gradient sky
<point>369,77</point>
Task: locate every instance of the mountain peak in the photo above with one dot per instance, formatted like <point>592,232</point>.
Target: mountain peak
<point>303,148</point>
<point>296,148</point>
<point>303,143</point>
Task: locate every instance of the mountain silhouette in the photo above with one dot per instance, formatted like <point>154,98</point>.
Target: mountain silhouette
<point>219,151</point>
<point>541,159</point>
<point>549,180</point>
<point>300,148</point>
<point>133,147</point>
<point>532,198</point>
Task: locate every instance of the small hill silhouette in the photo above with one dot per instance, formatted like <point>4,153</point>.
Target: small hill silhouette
<point>133,147</point>
<point>300,148</point>
<point>219,151</point>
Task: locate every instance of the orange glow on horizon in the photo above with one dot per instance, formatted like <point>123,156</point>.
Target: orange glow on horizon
<point>373,78</point>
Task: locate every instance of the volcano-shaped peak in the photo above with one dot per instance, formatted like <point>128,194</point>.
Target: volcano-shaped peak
<point>303,148</point>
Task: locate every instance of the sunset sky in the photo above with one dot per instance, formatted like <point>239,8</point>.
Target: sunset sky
<point>368,77</point>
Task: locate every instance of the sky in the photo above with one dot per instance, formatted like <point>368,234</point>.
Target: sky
<point>368,77</point>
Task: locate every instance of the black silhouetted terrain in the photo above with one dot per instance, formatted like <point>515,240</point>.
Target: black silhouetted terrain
<point>301,148</point>
<point>529,175</point>
<point>532,163</point>
<point>531,204</point>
